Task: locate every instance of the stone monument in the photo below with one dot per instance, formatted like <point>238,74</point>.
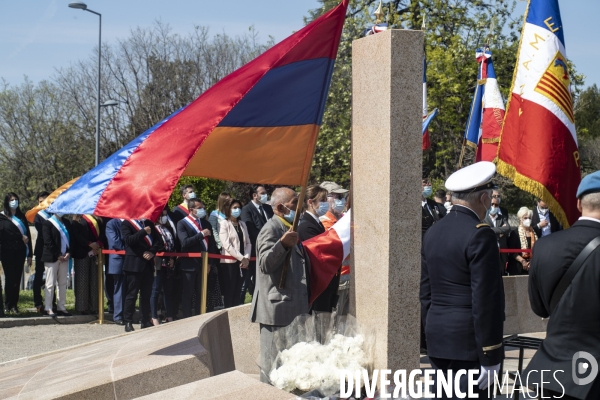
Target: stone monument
<point>387,93</point>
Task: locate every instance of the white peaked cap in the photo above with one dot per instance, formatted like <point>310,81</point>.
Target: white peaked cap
<point>475,177</point>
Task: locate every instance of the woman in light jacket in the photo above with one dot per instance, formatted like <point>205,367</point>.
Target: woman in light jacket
<point>236,243</point>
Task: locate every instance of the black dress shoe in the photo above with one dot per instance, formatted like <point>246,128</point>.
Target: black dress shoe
<point>64,313</point>
<point>119,322</point>
<point>129,327</point>
<point>145,325</point>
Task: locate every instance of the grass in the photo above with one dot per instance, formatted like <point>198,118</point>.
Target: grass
<point>27,307</point>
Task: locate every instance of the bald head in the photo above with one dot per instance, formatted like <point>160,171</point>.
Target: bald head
<point>283,200</point>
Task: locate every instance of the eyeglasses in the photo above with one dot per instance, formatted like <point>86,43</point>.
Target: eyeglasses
<point>496,196</point>
<point>495,205</point>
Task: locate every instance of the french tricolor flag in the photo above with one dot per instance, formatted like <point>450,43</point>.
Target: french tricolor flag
<point>326,252</point>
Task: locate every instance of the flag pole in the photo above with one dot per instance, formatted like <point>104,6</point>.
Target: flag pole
<point>301,196</point>
<point>462,154</point>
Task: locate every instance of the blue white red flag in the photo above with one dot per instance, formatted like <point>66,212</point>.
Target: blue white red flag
<point>487,110</point>
<point>538,147</point>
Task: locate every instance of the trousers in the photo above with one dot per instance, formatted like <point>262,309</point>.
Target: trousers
<point>190,284</point>
<point>445,365</point>
<point>12,264</point>
<point>138,282</point>
<point>56,275</point>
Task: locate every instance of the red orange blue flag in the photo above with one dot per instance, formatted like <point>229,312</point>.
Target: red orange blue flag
<point>259,124</point>
<point>538,146</point>
<point>487,110</point>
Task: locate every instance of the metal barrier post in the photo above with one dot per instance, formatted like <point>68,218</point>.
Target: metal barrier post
<point>100,288</point>
<point>204,283</point>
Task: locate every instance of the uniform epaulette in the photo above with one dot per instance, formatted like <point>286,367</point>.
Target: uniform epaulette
<point>482,225</point>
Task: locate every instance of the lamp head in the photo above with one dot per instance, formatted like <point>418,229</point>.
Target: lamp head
<point>79,5</point>
<point>110,103</point>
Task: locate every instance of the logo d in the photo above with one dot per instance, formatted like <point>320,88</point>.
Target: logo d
<point>580,368</point>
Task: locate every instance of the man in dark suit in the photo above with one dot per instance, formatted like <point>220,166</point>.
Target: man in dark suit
<point>574,325</point>
<point>194,234</point>
<point>496,195</point>
<point>462,297</point>
<point>38,250</point>
<point>182,210</point>
<point>431,211</point>
<point>501,227</point>
<point>543,221</point>
<point>115,268</point>
<point>440,199</point>
<point>255,214</point>
<point>142,242</point>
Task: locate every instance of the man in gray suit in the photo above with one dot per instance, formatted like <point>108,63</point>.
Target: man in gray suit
<point>272,307</point>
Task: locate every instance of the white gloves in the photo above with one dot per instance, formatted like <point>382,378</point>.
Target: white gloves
<point>483,380</point>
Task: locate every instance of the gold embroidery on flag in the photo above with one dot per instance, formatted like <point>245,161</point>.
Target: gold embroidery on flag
<point>555,85</point>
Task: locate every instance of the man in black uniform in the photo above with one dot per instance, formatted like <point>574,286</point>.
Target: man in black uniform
<point>431,211</point>
<point>462,297</point>
<point>574,325</point>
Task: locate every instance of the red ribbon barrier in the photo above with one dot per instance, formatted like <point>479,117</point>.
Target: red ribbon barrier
<point>189,255</point>
<point>515,250</point>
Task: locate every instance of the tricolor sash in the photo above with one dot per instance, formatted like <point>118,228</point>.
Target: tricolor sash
<point>21,227</point>
<point>93,225</point>
<point>183,209</point>
<point>138,227</point>
<point>168,239</point>
<point>197,228</point>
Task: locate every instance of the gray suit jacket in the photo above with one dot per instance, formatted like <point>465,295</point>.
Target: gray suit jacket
<point>270,305</point>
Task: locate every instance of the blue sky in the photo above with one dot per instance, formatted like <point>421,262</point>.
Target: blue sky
<point>36,36</point>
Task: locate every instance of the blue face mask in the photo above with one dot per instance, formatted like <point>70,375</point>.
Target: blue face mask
<point>323,208</point>
<point>13,204</point>
<point>236,212</point>
<point>427,190</point>
<point>339,205</point>
<point>290,217</point>
<point>201,213</point>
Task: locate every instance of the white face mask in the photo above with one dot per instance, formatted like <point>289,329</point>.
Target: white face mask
<point>526,223</point>
<point>164,219</point>
<point>448,205</point>
<point>191,195</point>
<point>264,198</point>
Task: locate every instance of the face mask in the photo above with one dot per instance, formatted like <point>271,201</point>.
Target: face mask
<point>191,195</point>
<point>13,204</point>
<point>543,210</point>
<point>264,198</point>
<point>427,191</point>
<point>339,205</point>
<point>236,212</point>
<point>527,223</point>
<point>201,213</point>
<point>164,219</point>
<point>448,205</point>
<point>323,208</point>
<point>493,210</point>
<point>290,217</point>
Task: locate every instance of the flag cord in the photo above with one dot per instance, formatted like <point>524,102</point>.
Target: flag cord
<point>462,154</point>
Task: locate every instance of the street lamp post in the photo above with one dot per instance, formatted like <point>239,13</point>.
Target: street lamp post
<point>82,6</point>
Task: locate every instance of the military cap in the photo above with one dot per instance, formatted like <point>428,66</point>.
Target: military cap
<point>589,184</point>
<point>475,177</point>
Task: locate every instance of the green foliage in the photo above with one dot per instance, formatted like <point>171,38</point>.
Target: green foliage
<point>587,112</point>
<point>206,190</point>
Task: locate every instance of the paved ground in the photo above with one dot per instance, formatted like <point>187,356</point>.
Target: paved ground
<point>26,341</point>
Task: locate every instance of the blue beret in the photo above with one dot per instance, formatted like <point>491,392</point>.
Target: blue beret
<point>589,184</point>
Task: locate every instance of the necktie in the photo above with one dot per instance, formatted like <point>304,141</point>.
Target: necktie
<point>262,212</point>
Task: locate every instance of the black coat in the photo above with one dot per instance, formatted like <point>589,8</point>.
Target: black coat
<point>38,222</point>
<point>575,324</point>
<point>514,242</point>
<point>136,246</point>
<point>178,214</point>
<point>192,242</point>
<point>11,238</point>
<point>501,228</point>
<point>555,226</point>
<point>82,237</point>
<point>462,295</point>
<point>431,213</point>
<point>308,227</point>
<point>49,236</point>
<point>255,221</point>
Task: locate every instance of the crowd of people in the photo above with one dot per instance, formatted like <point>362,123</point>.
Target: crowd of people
<point>533,223</point>
<point>167,286</point>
